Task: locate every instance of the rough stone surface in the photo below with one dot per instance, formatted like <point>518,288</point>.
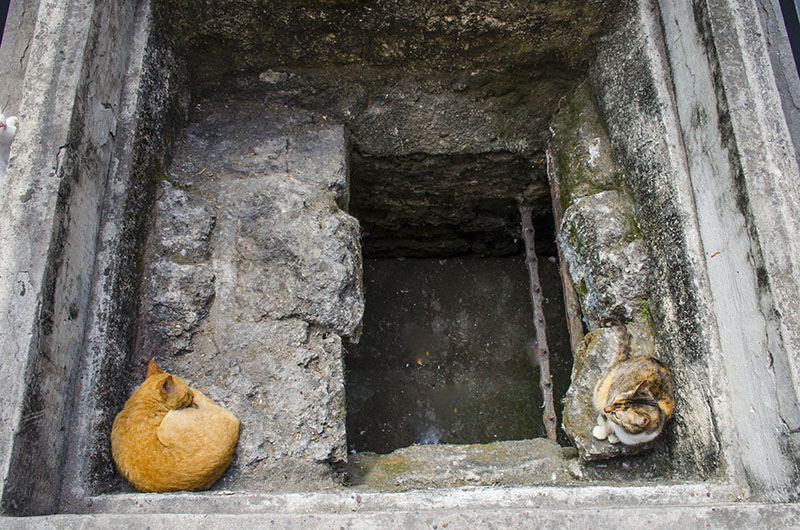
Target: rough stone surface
<point>423,205</point>
<point>431,130</point>
<point>448,466</point>
<point>180,283</point>
<point>599,234</point>
<point>599,350</point>
<point>582,150</point>
<point>607,258</point>
<point>399,112</point>
<point>517,35</point>
<point>253,279</point>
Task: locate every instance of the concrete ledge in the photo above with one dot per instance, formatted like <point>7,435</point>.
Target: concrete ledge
<point>348,499</point>
<point>701,517</point>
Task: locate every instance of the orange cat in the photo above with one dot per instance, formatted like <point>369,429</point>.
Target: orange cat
<point>171,437</point>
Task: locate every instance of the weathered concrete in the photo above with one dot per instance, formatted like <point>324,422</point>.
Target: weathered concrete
<point>783,65</point>
<point>17,38</point>
<point>543,495</point>
<point>745,190</point>
<point>754,516</point>
<point>49,218</point>
<point>152,105</point>
<point>689,100</point>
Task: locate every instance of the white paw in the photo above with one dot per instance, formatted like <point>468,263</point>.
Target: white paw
<point>612,438</point>
<point>599,432</point>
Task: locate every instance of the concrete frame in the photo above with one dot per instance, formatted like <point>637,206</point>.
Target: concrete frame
<point>734,179</point>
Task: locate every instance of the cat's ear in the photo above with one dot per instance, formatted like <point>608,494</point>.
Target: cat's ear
<point>167,386</point>
<point>153,369</point>
<point>642,390</point>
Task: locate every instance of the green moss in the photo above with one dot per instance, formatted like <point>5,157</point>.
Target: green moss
<point>581,289</point>
<point>180,259</point>
<point>632,232</point>
<point>577,126</point>
<point>334,3</point>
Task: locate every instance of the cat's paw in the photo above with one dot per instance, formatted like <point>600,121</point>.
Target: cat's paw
<point>599,432</point>
<point>612,438</point>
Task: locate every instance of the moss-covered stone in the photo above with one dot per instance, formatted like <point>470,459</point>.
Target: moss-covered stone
<point>511,463</point>
<point>606,256</point>
<point>582,149</point>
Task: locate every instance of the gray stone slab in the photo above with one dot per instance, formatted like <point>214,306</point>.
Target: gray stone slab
<point>508,463</point>
<point>253,279</point>
<point>606,255</point>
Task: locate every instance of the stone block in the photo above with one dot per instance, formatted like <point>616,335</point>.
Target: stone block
<point>599,350</point>
<point>607,258</point>
<point>253,280</point>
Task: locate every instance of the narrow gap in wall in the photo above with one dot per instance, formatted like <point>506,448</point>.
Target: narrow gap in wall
<point>791,19</point>
<point>4,6</point>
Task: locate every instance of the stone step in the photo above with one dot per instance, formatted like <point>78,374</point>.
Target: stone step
<point>689,518</point>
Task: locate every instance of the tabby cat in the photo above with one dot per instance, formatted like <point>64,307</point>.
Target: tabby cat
<point>170,437</point>
<point>634,397</point>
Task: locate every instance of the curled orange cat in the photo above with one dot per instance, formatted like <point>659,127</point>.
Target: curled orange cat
<point>170,437</point>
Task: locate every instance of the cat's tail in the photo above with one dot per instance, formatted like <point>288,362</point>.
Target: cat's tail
<point>623,336</point>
